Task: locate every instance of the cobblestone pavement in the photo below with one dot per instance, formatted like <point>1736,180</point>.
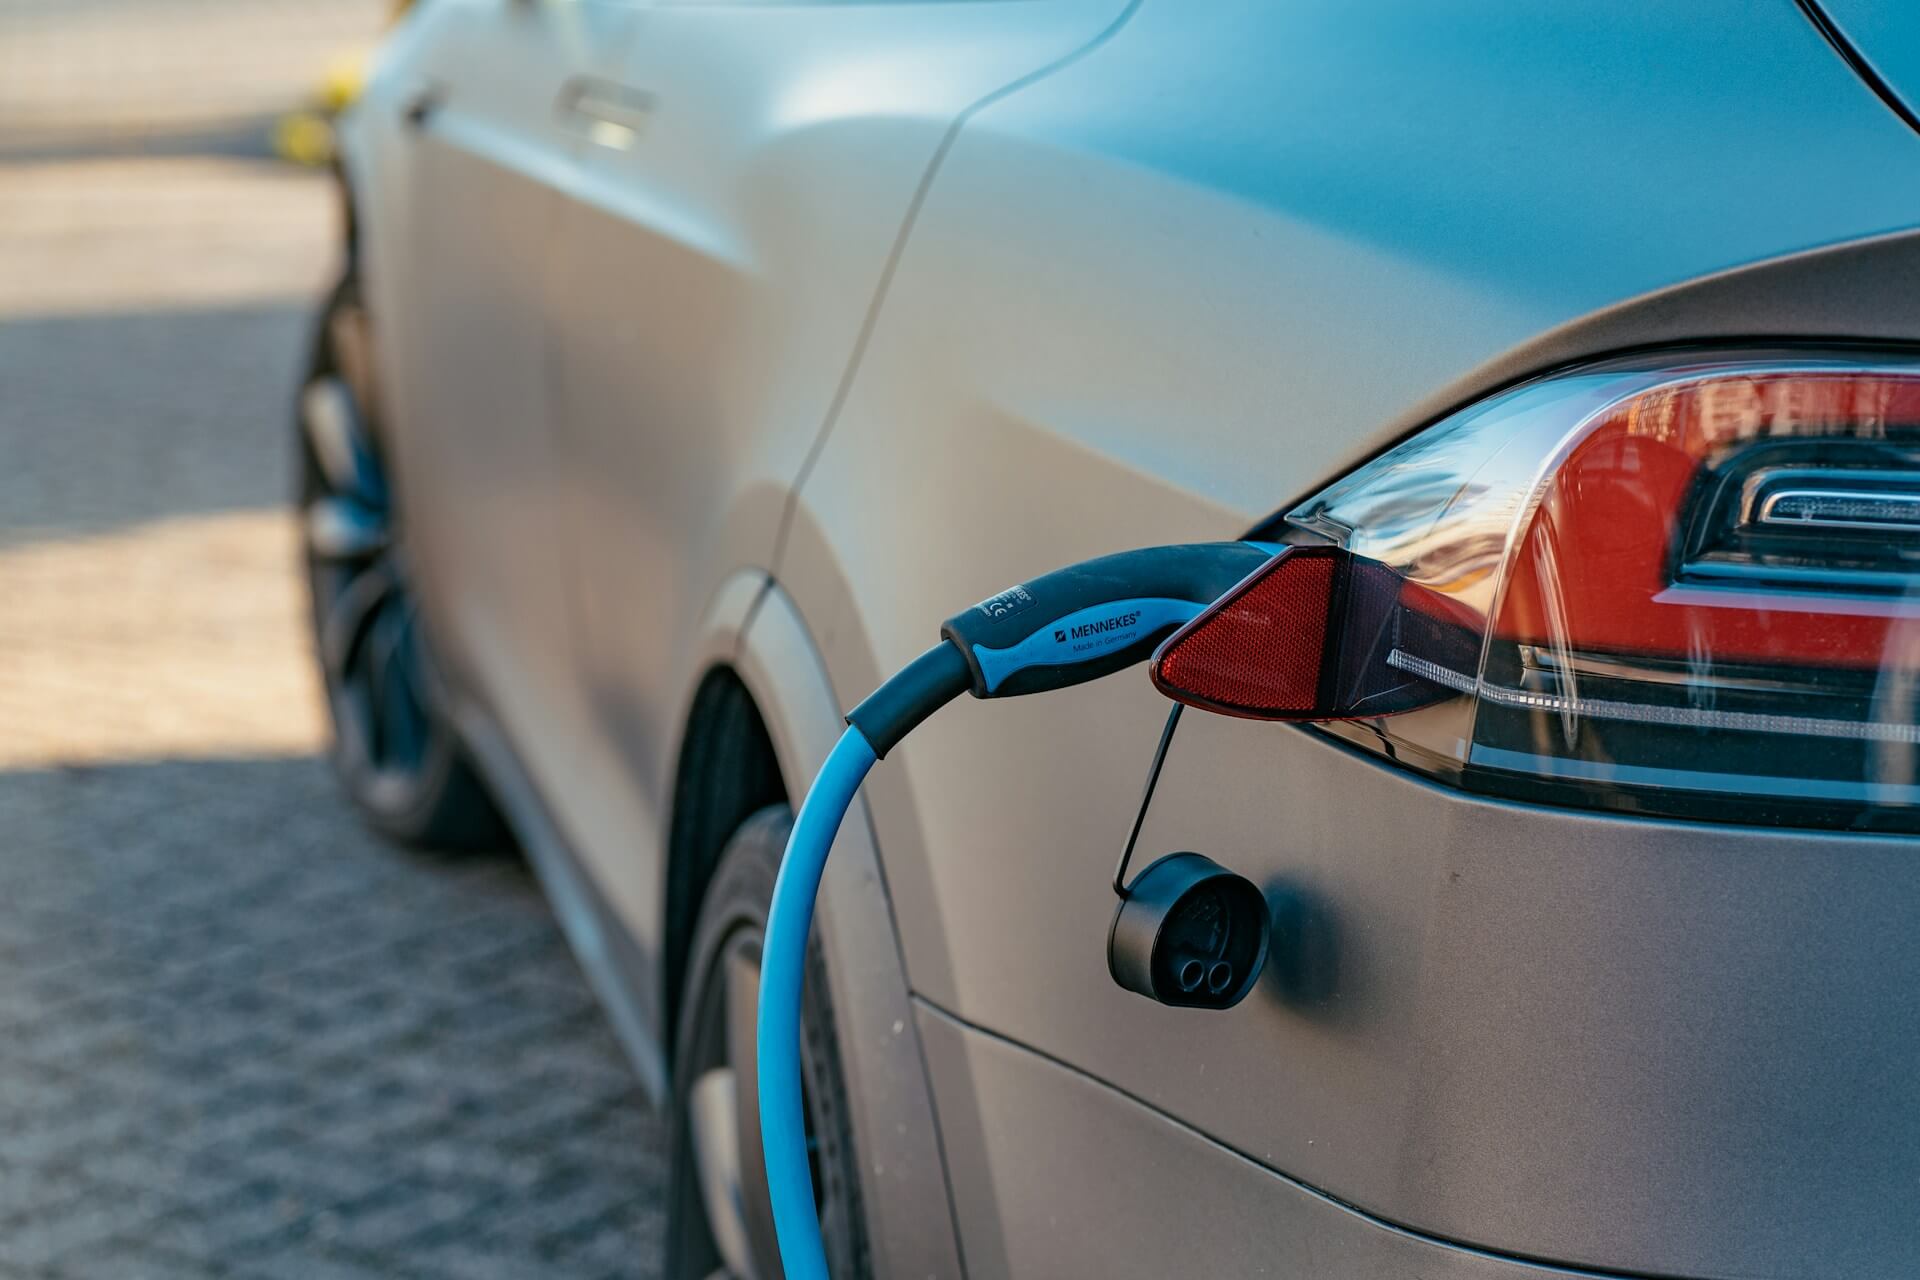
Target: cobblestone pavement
<point>238,1036</point>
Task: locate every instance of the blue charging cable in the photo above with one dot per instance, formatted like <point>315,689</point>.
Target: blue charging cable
<point>783,1129</point>
<point>1071,626</point>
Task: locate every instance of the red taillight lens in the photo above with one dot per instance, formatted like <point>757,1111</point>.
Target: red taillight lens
<point>1673,589</point>
<point>1605,558</point>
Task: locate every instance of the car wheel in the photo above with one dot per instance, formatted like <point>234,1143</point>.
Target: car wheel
<point>397,756</point>
<point>719,1222</point>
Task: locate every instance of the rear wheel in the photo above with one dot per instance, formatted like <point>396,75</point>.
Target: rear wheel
<point>398,758</point>
<point>719,1223</point>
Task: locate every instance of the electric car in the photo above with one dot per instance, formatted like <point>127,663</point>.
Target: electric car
<point>692,360</point>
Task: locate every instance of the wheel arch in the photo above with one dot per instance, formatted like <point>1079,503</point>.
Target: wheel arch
<point>726,772</point>
<point>762,679</point>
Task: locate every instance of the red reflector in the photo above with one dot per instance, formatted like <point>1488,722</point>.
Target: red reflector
<point>1259,649</point>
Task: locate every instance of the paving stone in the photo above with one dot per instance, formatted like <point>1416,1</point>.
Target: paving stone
<point>51,1232</point>
<point>307,1264</point>
<point>122,1261</point>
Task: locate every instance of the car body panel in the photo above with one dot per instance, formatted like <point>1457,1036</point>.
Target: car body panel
<point>1641,1046</point>
<point>471,110</point>
<point>482,158</point>
<point>1049,1180</point>
<point>714,272</point>
<point>1293,256</point>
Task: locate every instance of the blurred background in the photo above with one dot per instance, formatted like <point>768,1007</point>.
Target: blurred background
<point>238,1036</point>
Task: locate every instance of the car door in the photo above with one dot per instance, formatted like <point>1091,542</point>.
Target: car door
<point>750,171</point>
<point>485,150</point>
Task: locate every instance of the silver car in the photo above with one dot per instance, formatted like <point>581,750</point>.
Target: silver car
<point>692,359</point>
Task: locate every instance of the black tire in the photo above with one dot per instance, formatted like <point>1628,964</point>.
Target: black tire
<point>393,748</point>
<point>722,976</point>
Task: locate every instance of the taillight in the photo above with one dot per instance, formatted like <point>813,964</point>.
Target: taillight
<point>1676,588</point>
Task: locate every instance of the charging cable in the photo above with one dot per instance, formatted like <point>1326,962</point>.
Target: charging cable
<point>1071,626</point>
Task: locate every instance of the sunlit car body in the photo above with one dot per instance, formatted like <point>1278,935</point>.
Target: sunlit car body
<point>717,351</point>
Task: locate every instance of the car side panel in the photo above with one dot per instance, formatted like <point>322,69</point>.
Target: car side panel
<point>1188,280</point>
<point>459,116</point>
<point>1050,1180</point>
<point>713,275</point>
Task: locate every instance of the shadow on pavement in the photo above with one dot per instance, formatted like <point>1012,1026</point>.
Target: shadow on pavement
<point>240,1035</point>
<point>246,138</point>
<point>113,420</point>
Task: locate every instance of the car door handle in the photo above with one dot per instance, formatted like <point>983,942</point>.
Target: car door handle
<point>606,113</point>
<point>420,105</point>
